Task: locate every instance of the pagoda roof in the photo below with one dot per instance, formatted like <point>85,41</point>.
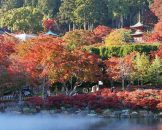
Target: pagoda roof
<point>139,24</point>
<point>51,33</point>
<point>138,32</point>
<point>3,31</point>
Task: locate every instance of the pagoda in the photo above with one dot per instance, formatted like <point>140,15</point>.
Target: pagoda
<point>138,28</point>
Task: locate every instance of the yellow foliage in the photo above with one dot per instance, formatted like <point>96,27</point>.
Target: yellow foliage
<point>119,37</point>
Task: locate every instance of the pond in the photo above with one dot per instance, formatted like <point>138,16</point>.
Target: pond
<point>62,122</point>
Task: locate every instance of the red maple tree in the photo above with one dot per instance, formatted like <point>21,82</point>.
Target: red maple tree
<point>156,7</point>
<point>101,32</point>
<point>49,24</point>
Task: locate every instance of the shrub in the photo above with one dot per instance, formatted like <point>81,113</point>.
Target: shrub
<point>159,106</point>
<point>36,101</point>
<point>120,51</point>
<point>103,99</point>
<point>78,38</point>
<point>146,99</point>
<point>119,37</point>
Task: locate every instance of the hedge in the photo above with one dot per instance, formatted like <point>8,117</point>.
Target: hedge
<point>122,50</point>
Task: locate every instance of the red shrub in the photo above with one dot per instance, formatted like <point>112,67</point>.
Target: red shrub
<point>37,101</point>
<point>159,106</point>
<point>146,99</point>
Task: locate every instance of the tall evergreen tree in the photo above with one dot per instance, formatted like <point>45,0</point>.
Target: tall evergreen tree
<point>33,3</point>
<point>66,12</point>
<point>49,7</point>
<point>10,4</point>
<point>90,12</point>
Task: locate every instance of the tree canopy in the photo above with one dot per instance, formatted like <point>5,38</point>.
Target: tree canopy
<point>26,19</point>
<point>90,13</point>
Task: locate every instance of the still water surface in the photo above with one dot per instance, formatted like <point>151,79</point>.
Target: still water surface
<point>60,122</point>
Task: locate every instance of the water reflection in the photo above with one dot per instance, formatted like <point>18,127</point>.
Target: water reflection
<point>45,122</point>
<point>128,124</point>
<point>60,122</point>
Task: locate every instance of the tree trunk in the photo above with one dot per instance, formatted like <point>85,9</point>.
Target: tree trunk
<point>74,27</point>
<point>89,26</point>
<point>123,85</point>
<point>111,83</point>
<point>112,23</point>
<point>141,82</point>
<point>20,97</point>
<point>69,27</point>
<point>71,83</point>
<point>92,25</point>
<point>43,88</point>
<point>157,78</point>
<point>121,21</point>
<point>85,25</point>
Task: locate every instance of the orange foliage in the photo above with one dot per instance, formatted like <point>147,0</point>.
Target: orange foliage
<point>37,58</point>
<point>77,63</point>
<point>7,47</point>
<point>24,47</point>
<point>152,37</point>
<point>118,67</point>
<point>156,7</point>
<point>102,31</point>
<point>158,28</point>
<point>113,68</point>
<point>9,70</point>
<point>49,58</point>
<point>79,38</point>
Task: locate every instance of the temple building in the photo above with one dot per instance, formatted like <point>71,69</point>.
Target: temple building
<point>138,31</point>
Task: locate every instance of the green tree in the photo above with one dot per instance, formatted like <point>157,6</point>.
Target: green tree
<point>126,12</point>
<point>33,3</point>
<point>155,70</point>
<point>141,67</point>
<point>119,37</point>
<point>89,12</point>
<point>27,19</point>
<point>49,7</point>
<point>66,13</point>
<point>78,38</point>
<point>11,4</point>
